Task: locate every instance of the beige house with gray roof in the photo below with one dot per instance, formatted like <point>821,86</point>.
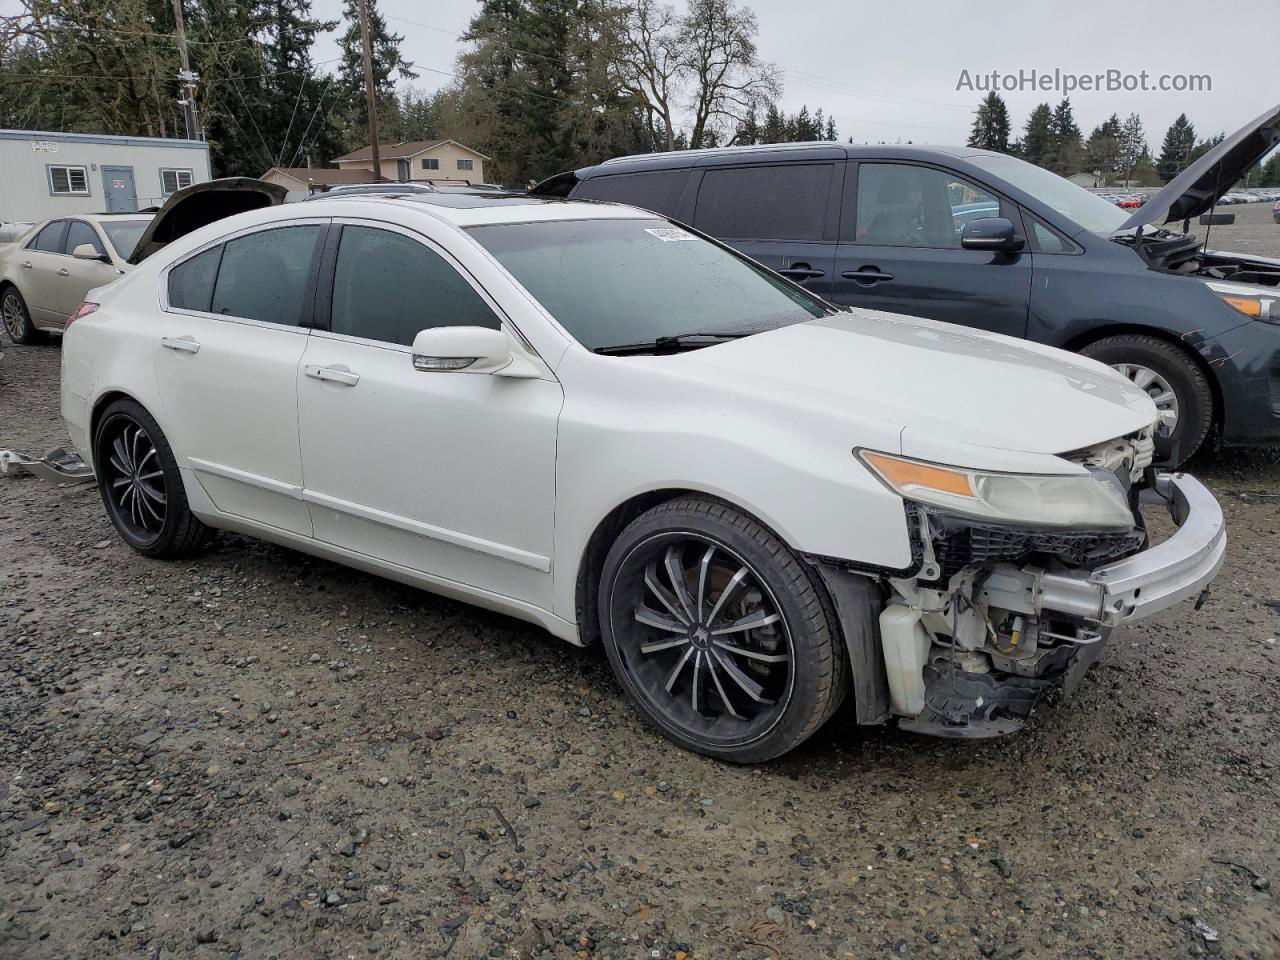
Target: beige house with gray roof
<point>421,160</point>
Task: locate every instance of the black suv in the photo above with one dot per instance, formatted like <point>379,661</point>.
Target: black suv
<point>990,241</point>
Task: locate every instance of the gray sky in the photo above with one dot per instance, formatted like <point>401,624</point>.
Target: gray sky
<point>888,71</point>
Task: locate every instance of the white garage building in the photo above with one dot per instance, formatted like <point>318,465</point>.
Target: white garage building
<point>54,174</point>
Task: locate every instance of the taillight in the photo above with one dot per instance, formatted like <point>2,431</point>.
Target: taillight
<point>83,310</point>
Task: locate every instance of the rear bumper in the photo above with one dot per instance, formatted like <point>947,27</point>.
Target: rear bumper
<point>1172,571</point>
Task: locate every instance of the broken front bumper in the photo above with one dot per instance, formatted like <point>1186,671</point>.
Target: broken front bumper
<point>1158,577</point>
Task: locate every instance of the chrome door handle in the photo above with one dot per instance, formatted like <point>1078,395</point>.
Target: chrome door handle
<point>181,344</point>
<point>26,264</point>
<point>317,372</point>
<point>64,272</point>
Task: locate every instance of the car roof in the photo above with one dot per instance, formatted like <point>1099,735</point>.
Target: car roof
<point>465,208</point>
<point>766,152</point>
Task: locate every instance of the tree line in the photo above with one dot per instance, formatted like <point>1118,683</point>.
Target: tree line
<point>541,85</point>
<point>1116,151</point>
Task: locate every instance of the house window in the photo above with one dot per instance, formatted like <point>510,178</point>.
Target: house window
<point>430,163</point>
<point>69,181</point>
<point>172,181</point>
<point>464,164</point>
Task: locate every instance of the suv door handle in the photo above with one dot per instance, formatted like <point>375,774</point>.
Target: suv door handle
<point>332,375</point>
<point>26,264</point>
<point>181,344</point>
<point>867,276</point>
<point>64,272</point>
<point>801,271</point>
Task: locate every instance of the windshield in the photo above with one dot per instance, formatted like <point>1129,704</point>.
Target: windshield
<point>614,282</point>
<point>1076,203</point>
<point>123,234</point>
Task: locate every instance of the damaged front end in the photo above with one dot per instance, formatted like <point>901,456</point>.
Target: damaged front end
<point>996,614</point>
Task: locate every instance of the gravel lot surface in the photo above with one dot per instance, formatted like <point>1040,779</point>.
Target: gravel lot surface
<point>257,754</point>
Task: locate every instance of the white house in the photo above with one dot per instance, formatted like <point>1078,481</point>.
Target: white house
<point>44,174</point>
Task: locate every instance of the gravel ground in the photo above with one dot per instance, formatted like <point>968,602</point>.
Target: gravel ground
<point>257,754</point>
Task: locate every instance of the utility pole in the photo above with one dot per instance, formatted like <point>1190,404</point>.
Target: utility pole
<point>186,77</point>
<point>371,99</point>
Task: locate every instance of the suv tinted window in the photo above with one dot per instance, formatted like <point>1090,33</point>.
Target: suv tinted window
<point>901,205</point>
<point>264,275</point>
<point>50,238</point>
<point>784,202</point>
<point>657,191</point>
<point>80,232</point>
<point>389,287</point>
<point>191,282</point>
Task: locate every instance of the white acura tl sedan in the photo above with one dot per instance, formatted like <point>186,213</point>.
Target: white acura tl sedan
<point>594,419</point>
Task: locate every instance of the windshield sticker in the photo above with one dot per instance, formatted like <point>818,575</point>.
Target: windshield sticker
<point>669,234</point>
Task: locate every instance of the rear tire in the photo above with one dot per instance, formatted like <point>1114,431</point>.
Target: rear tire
<point>17,319</point>
<point>679,591</point>
<point>1161,369</point>
<point>141,485</point>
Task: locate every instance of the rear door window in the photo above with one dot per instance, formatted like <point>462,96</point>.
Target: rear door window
<point>264,276</point>
<point>191,282</point>
<point>658,191</point>
<point>81,233</point>
<point>50,238</point>
<point>781,202</point>
<point>389,287</point>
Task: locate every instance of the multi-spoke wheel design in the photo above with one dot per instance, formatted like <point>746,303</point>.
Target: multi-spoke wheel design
<point>1159,390</point>
<point>712,636</point>
<point>140,483</point>
<point>718,632</point>
<point>16,318</point>
<point>133,479</point>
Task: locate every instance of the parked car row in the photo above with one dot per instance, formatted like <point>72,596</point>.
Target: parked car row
<point>757,469</point>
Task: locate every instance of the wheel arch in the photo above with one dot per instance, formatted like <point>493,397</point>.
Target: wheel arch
<point>1093,335</point>
<point>591,560</point>
<point>104,400</point>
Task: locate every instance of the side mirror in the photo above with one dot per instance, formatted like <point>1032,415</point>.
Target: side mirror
<point>87,251</point>
<point>991,233</point>
<point>470,350</point>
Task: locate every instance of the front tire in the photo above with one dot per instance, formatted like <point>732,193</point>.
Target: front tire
<point>141,486</point>
<point>719,633</point>
<point>1180,389</point>
<point>17,318</point>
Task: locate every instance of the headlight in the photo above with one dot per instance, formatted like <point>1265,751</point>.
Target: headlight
<point>1034,499</point>
<point>1249,300</point>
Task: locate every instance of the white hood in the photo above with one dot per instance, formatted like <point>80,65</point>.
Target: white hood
<point>958,395</point>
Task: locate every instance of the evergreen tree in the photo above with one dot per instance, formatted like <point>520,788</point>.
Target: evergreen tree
<point>1067,151</point>
<point>775,126</point>
<point>388,65</point>
<point>1102,151</point>
<point>830,133</point>
<point>991,125</point>
<point>1179,141</point>
<point>748,131</point>
<point>1133,146</point>
<point>1037,137</point>
<point>1271,172</point>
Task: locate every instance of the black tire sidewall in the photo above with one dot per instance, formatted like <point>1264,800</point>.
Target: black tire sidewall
<point>1195,400</point>
<point>177,513</point>
<point>806,693</point>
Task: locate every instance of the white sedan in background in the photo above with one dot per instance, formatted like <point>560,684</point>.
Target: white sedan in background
<point>592,418</point>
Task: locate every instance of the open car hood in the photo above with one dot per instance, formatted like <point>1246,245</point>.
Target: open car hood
<point>201,204</point>
<point>1201,185</point>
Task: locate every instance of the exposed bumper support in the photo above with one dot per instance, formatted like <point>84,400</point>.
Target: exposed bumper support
<point>57,465</point>
<point>1179,568</point>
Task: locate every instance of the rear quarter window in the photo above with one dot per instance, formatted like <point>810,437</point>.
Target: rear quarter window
<point>191,282</point>
<point>658,191</point>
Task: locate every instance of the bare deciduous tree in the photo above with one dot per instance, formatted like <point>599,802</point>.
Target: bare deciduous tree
<point>702,66</point>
